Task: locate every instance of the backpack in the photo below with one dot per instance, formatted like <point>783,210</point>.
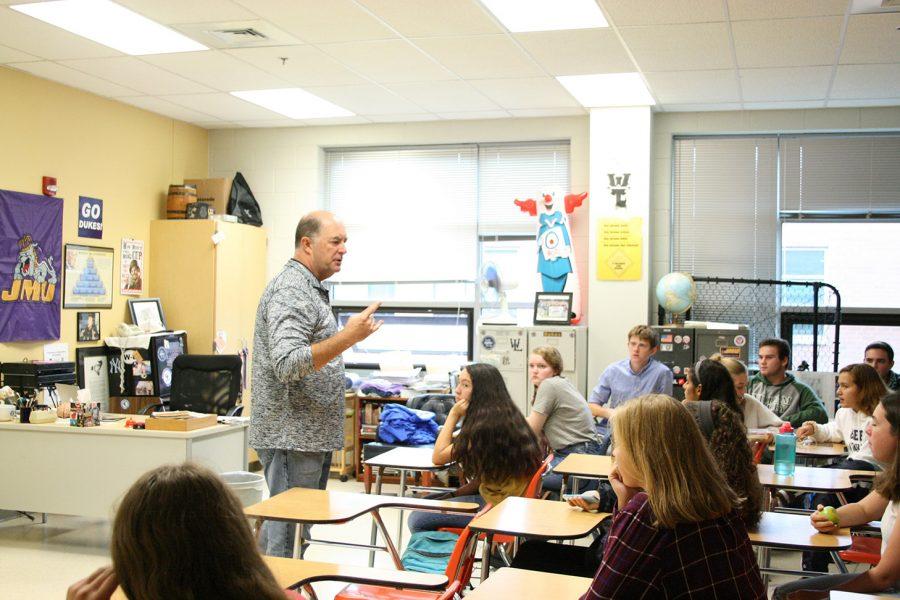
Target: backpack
<point>242,203</point>
<point>429,551</point>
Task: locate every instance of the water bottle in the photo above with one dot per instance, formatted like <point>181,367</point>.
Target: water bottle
<point>785,450</point>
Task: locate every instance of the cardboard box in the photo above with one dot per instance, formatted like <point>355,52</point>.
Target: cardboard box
<point>189,424</point>
<point>213,191</point>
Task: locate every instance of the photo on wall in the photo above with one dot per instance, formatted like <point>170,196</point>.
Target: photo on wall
<point>89,277</point>
<point>88,326</point>
<point>131,279</point>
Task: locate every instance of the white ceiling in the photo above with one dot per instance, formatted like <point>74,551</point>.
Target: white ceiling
<point>420,60</point>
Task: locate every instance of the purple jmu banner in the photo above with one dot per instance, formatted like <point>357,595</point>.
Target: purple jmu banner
<point>30,273</point>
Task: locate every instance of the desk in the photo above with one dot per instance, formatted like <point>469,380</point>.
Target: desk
<point>529,585</point>
<point>533,518</point>
<point>583,465</point>
<point>795,532</point>
<point>55,468</point>
<point>851,596</point>
<point>312,507</point>
<point>806,479</point>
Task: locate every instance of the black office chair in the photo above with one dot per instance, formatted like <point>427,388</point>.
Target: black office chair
<point>206,383</point>
<point>439,404</point>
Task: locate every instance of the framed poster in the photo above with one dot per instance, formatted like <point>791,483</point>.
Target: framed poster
<point>131,278</point>
<point>552,308</point>
<point>92,373</point>
<point>147,314</point>
<point>89,277</point>
<point>88,325</point>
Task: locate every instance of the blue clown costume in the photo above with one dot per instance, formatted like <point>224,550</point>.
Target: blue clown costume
<point>554,251</point>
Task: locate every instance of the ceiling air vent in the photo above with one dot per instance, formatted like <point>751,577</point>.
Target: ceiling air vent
<point>239,36</point>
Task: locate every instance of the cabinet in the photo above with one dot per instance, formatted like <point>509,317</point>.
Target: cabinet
<point>368,415</point>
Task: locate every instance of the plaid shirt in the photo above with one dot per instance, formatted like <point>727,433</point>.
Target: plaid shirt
<point>709,559</point>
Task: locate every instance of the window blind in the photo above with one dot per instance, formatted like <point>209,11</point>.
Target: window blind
<point>510,171</point>
<point>830,176</point>
<point>409,212</point>
<point>724,206</point>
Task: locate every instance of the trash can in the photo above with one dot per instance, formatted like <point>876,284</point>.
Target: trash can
<point>248,487</point>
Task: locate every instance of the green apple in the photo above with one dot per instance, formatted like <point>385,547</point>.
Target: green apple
<point>831,514</point>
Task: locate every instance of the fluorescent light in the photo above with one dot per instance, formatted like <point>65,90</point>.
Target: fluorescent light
<point>547,15</point>
<point>112,25</point>
<point>613,89</point>
<point>293,103</point>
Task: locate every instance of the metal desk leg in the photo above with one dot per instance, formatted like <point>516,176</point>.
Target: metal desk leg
<point>298,539</point>
<point>841,565</point>
<point>400,516</point>
<point>392,550</point>
<point>373,537</point>
<point>486,556</point>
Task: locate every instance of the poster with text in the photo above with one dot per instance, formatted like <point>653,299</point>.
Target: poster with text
<point>132,267</point>
<point>30,256</point>
<point>620,249</point>
<point>90,217</point>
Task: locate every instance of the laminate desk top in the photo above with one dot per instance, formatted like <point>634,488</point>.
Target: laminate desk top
<point>823,450</point>
<point>795,532</point>
<point>291,572</point>
<point>413,459</point>
<point>810,479</point>
<point>851,596</point>
<point>533,518</point>
<point>529,585</point>
<point>302,505</point>
<point>585,465</point>
<point>112,428</point>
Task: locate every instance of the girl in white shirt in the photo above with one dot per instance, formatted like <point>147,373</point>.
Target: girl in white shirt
<point>883,503</point>
<point>756,414</point>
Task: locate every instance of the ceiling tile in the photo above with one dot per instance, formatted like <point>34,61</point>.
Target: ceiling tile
<point>741,10</point>
<point>794,104</point>
<point>137,75</point>
<point>73,78</point>
<point>867,81</point>
<point>629,12</point>
<point>215,124</point>
<point>577,52</point>
<point>321,22</point>
<point>787,42</point>
<point>164,107</point>
<point>305,65</point>
<point>366,100</point>
<point>388,61</point>
<point>357,120</point>
<point>694,47</point>
<point>426,18</point>
<point>223,106</point>
<point>444,96</point>
<point>283,122</point>
<point>169,12</point>
<point>548,112</point>
<point>872,39</point>
<point>27,34</point>
<point>216,70</point>
<point>477,114</point>
<point>534,92</point>
<point>687,87</point>
<point>402,118</point>
<point>480,57</point>
<point>704,107</point>
<point>792,83</point>
<point>868,102</point>
<point>8,55</point>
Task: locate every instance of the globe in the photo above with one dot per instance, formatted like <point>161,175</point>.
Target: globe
<point>676,292</point>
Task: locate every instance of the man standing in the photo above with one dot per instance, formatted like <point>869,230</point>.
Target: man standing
<point>788,398</point>
<point>635,376</point>
<point>881,356</point>
<point>298,375</point>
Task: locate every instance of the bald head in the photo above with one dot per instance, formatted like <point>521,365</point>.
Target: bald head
<point>320,243</point>
<point>310,225</point>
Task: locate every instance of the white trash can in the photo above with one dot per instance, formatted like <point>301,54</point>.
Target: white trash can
<point>248,487</point>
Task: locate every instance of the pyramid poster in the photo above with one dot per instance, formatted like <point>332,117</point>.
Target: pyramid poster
<point>89,277</point>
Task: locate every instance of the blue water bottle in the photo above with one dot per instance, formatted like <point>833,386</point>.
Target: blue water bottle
<point>785,450</point>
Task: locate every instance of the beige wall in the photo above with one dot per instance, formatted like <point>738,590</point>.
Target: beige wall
<point>94,147</point>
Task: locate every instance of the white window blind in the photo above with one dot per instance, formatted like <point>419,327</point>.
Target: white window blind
<point>724,207</point>
<point>510,171</point>
<point>409,212</point>
<point>829,176</point>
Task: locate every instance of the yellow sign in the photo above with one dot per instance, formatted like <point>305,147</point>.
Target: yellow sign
<point>620,249</point>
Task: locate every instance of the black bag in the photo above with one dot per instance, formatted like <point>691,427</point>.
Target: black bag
<point>242,204</point>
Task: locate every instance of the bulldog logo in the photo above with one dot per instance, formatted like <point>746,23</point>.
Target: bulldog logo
<point>34,280</point>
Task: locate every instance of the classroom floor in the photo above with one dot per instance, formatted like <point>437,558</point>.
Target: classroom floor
<point>40,560</point>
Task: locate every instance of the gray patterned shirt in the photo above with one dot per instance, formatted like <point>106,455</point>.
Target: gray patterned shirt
<point>295,407</point>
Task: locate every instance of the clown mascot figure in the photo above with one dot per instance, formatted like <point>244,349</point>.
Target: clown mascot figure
<point>556,258</point>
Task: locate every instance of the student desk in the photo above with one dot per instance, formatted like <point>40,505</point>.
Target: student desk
<point>311,507</point>
<point>530,585</point>
<point>533,518</point>
<point>794,532</point>
<point>583,465</point>
<point>55,468</point>
<point>851,596</point>
<point>818,452</point>
<point>807,479</point>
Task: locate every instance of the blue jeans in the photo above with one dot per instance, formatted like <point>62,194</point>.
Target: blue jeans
<point>285,469</point>
<point>427,521</point>
<point>552,481</point>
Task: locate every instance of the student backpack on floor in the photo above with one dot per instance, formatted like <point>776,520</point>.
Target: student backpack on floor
<point>429,551</point>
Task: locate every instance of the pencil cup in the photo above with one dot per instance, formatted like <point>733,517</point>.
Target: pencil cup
<point>24,414</point>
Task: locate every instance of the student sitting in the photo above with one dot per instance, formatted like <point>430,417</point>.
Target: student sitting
<point>677,532</point>
<point>495,446</point>
<point>880,356</point>
<point>756,414</point>
<point>181,533</point>
<point>791,400</point>
<point>883,503</point>
<point>859,391</point>
<point>559,412</point>
<point>710,397</point>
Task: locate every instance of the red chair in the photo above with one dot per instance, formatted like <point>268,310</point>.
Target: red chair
<point>865,549</point>
<point>458,571</point>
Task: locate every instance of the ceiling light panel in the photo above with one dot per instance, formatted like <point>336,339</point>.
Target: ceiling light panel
<point>293,103</point>
<point>112,25</point>
<point>540,15</point>
<point>612,89</point>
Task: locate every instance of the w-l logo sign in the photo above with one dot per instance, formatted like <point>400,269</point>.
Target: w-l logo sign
<point>618,186</point>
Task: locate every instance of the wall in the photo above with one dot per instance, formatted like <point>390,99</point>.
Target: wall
<point>284,166</point>
<point>94,147</point>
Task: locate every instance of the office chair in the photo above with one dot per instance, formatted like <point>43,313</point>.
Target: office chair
<point>206,383</point>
